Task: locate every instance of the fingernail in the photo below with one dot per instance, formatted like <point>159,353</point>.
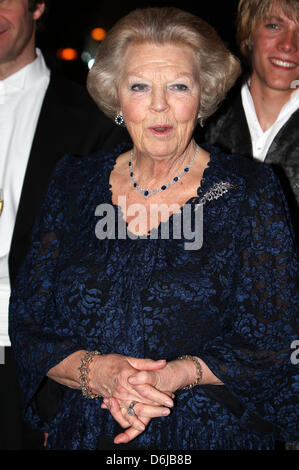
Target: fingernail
<point>140,427</point>
<point>119,441</point>
<point>168,403</point>
<point>166,412</point>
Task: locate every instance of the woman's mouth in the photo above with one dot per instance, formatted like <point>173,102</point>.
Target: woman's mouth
<point>161,129</point>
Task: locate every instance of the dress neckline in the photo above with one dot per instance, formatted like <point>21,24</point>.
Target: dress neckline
<point>203,187</point>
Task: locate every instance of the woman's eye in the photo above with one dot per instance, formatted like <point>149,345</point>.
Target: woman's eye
<point>179,87</point>
<point>138,87</point>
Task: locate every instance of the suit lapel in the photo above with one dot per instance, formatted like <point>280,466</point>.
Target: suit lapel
<point>284,145</point>
<point>239,132</point>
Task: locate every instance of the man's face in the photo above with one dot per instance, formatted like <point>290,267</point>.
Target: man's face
<point>275,54</point>
<point>17,26</point>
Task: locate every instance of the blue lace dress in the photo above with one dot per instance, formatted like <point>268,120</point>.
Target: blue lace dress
<point>233,303</point>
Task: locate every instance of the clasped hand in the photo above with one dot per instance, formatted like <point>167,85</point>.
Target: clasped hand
<point>124,380</point>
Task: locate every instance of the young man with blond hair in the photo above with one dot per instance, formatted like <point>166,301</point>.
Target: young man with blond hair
<point>262,119</point>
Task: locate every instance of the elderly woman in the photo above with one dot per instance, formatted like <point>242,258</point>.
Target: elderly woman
<point>182,336</point>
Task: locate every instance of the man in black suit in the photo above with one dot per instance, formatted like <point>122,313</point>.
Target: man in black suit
<point>261,120</point>
<point>42,117</point>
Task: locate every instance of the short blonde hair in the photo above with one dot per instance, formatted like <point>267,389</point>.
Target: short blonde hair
<point>251,13</point>
<point>218,68</point>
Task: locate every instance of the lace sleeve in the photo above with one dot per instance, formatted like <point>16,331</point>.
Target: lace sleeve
<point>37,338</point>
<point>253,357</point>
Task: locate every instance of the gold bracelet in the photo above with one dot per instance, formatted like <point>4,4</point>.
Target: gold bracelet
<point>198,368</point>
<point>84,372</point>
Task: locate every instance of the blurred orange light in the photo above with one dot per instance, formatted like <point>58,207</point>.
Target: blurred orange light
<point>98,34</point>
<point>67,54</point>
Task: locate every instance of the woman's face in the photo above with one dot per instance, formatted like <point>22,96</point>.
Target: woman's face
<point>159,97</point>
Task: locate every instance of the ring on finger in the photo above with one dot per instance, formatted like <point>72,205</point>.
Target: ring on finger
<point>130,409</point>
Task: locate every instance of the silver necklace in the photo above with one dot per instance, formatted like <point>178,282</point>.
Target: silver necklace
<point>149,192</point>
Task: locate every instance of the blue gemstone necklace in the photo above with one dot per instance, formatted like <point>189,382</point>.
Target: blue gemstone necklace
<point>149,192</point>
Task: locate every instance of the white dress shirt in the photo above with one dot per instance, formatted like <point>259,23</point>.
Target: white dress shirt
<point>261,140</point>
<point>21,97</point>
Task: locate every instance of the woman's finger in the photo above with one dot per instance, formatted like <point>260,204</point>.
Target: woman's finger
<point>148,411</point>
<point>144,393</point>
<point>132,416</point>
<point>150,395</point>
<point>144,377</point>
<point>129,434</point>
<point>116,412</point>
<point>120,413</point>
<point>146,364</point>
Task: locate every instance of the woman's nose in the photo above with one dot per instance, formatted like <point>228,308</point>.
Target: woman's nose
<point>159,100</point>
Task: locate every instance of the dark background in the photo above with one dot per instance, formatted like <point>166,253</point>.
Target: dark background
<point>68,24</point>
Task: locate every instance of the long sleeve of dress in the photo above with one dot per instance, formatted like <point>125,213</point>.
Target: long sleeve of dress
<point>253,355</point>
<point>39,341</point>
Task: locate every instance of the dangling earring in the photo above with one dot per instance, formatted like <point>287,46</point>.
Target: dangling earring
<point>119,119</point>
<point>201,121</point>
